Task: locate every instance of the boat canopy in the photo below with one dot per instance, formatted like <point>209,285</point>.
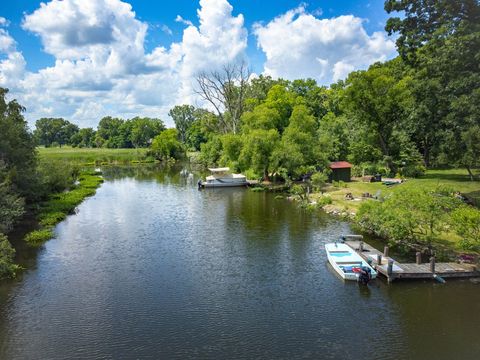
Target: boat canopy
<point>219,170</point>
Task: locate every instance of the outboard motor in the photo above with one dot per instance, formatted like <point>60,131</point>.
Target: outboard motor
<point>365,275</point>
<point>199,184</point>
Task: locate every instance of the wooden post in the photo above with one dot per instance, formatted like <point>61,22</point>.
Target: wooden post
<point>390,270</point>
<point>385,251</point>
<point>418,257</point>
<point>379,259</point>
<point>432,264</point>
<point>360,247</point>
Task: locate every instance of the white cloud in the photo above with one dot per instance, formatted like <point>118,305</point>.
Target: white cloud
<point>166,29</point>
<point>183,21</point>
<point>298,45</point>
<point>101,66</point>
<point>12,63</point>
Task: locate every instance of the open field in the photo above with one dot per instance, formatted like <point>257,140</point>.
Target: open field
<point>95,156</point>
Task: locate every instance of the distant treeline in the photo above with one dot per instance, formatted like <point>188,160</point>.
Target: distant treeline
<point>111,132</point>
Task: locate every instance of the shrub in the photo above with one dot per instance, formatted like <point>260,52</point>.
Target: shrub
<point>466,223</point>
<point>413,216</point>
<point>38,237</point>
<point>324,200</point>
<point>166,146</point>
<point>7,253</point>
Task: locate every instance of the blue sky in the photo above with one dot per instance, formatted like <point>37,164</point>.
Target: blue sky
<point>320,39</point>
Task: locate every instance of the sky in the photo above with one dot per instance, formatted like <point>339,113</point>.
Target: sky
<point>85,59</point>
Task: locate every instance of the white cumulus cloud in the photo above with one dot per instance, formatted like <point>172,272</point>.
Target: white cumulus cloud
<point>12,63</point>
<point>299,45</point>
<point>101,66</point>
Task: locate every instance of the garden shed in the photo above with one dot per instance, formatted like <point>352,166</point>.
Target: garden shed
<point>341,171</point>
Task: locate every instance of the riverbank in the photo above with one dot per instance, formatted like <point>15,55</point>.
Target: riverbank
<point>50,212</point>
<point>95,156</point>
<point>345,199</point>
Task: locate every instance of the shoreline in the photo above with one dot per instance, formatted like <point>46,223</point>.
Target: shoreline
<point>54,210</point>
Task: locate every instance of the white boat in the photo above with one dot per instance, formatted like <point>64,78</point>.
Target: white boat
<point>348,264</point>
<point>221,177</point>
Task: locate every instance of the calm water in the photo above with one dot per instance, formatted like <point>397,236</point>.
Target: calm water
<point>150,267</point>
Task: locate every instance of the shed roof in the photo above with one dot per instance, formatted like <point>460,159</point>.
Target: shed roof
<point>340,165</point>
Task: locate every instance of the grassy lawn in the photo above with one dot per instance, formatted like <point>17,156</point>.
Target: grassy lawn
<point>88,156</point>
<point>455,179</point>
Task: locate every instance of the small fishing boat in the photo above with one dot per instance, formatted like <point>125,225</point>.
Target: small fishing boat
<point>221,177</point>
<point>348,264</point>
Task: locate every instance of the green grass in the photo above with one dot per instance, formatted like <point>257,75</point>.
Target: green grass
<point>455,179</point>
<point>38,237</point>
<point>58,206</point>
<point>89,156</point>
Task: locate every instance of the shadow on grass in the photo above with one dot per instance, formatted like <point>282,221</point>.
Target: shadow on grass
<point>440,175</point>
<point>474,197</point>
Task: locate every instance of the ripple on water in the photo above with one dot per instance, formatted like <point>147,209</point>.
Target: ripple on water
<point>156,269</point>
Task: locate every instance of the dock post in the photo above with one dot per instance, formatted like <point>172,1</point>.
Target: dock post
<point>379,259</point>
<point>432,264</point>
<point>390,270</point>
<point>418,257</point>
<point>385,251</point>
<point>360,246</point>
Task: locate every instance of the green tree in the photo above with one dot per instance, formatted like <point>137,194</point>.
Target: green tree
<point>256,154</point>
<point>143,130</point>
<point>314,95</point>
<point>7,253</point>
<point>166,146</point>
<point>11,204</point>
<point>183,116</point>
<point>53,131</point>
<point>17,147</point>
<point>298,151</point>
<point>379,100</point>
<point>83,138</point>
<point>440,41</point>
<point>110,133</point>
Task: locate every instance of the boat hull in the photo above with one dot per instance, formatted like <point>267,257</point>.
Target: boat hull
<point>223,184</point>
<point>346,262</point>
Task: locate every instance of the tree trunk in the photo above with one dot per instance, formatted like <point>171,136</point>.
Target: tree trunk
<point>472,178</point>
<point>426,155</point>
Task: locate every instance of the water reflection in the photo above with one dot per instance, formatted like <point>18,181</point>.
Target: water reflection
<point>151,267</point>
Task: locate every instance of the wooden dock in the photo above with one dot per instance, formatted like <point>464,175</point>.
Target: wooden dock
<point>392,269</point>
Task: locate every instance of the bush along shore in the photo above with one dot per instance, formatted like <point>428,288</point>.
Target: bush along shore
<point>56,208</point>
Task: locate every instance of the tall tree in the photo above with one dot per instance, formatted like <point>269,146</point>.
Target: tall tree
<point>441,41</point>
<point>225,90</point>
<point>183,116</point>
<point>17,147</point>
<point>143,130</point>
<point>109,133</point>
<point>54,131</point>
<point>379,100</point>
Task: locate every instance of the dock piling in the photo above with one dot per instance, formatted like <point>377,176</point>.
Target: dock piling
<point>385,251</point>
<point>414,270</point>
<point>390,270</point>
<point>360,246</point>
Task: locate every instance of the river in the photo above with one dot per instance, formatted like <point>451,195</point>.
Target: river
<point>152,268</point>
